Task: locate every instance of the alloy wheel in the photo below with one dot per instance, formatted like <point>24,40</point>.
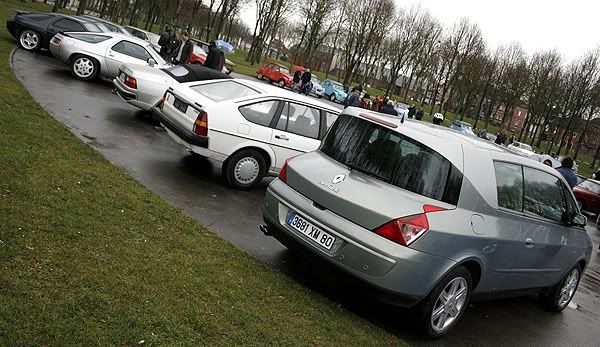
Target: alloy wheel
<point>83,67</point>
<point>449,304</point>
<point>568,289</point>
<point>29,40</point>
<point>246,170</point>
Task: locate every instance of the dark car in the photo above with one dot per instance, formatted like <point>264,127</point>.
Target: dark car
<point>587,194</point>
<point>34,31</point>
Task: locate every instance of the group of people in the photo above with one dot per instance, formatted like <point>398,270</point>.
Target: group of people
<point>301,82</point>
<point>501,139</point>
<point>179,50</point>
<point>382,104</point>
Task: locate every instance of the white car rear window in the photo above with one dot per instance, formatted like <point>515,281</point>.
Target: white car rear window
<point>224,90</point>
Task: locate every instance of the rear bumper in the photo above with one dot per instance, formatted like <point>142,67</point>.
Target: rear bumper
<point>398,275</point>
<point>186,135</point>
<point>131,96</point>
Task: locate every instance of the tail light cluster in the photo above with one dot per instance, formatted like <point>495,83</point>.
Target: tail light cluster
<point>56,40</point>
<point>130,82</point>
<point>201,124</point>
<point>407,230</point>
<point>283,171</point>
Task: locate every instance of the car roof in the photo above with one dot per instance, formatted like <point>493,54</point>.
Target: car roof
<point>287,94</point>
<point>447,141</point>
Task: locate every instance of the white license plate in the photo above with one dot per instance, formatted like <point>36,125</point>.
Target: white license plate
<point>314,233</point>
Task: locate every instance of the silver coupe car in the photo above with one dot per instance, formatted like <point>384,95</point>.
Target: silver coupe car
<point>92,54</point>
<point>143,86</point>
<point>430,217</point>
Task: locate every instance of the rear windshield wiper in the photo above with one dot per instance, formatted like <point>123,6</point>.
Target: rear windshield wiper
<point>358,168</point>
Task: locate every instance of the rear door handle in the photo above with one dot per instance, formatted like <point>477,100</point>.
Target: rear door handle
<point>281,137</point>
<point>529,243</point>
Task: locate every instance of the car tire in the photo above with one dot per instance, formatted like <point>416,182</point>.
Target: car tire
<point>84,68</point>
<point>281,84</point>
<point>455,288</point>
<point>332,97</point>
<point>259,76</point>
<point>244,169</point>
<point>558,297</point>
<point>30,40</point>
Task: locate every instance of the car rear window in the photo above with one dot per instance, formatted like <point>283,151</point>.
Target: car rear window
<point>91,38</point>
<point>224,90</point>
<point>393,158</point>
<point>38,17</point>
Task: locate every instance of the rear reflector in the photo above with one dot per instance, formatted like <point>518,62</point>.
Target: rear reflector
<point>407,230</point>
<point>283,171</point>
<point>56,40</point>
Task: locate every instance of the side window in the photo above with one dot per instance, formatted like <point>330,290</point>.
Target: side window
<point>68,25</point>
<point>300,120</point>
<point>131,49</point>
<point>571,204</point>
<point>509,183</point>
<point>543,195</point>
<point>331,117</point>
<point>260,113</point>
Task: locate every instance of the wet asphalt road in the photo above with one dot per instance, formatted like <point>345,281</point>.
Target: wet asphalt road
<point>126,138</point>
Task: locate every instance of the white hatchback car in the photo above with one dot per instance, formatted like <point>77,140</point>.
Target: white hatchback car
<point>249,127</point>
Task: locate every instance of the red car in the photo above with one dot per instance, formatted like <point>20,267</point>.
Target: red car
<point>275,73</point>
<point>587,194</point>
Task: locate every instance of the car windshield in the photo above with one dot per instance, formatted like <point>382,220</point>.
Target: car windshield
<point>157,56</point>
<point>591,186</point>
<point>284,70</point>
<point>224,90</point>
<point>92,27</point>
<point>337,86</point>
<point>389,156</point>
<point>525,146</point>
<point>91,38</point>
<point>199,51</point>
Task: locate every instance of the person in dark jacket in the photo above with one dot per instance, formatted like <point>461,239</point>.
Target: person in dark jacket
<point>419,114</point>
<point>306,84</point>
<point>184,53</point>
<point>411,111</point>
<point>566,170</point>
<point>388,108</point>
<point>296,80</point>
<point>168,44</point>
<point>215,58</point>
<point>353,99</point>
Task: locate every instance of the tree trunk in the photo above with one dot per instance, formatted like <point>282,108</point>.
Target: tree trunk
<point>595,157</point>
<point>82,6</point>
<point>582,135</point>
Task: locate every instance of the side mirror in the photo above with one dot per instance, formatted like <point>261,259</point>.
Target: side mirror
<point>579,220</point>
<point>151,62</point>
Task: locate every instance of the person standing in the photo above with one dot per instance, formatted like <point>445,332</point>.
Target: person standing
<point>566,170</point>
<point>596,175</point>
<point>184,53</point>
<point>168,44</point>
<point>419,114</point>
<point>388,108</point>
<point>215,59</point>
<point>411,111</point>
<point>306,85</point>
<point>353,99</point>
<point>296,80</point>
<point>365,102</point>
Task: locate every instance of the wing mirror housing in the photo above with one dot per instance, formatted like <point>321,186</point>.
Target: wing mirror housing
<point>577,219</point>
<point>151,62</point>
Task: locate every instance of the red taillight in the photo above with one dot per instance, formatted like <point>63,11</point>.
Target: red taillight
<point>130,82</point>
<point>283,171</point>
<point>56,40</point>
<point>201,124</point>
<point>406,230</point>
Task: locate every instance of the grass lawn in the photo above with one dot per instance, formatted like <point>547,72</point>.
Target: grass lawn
<point>90,257</point>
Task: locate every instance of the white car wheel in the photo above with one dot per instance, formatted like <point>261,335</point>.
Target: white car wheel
<point>245,169</point>
<point>259,76</point>
<point>281,84</point>
<point>29,40</point>
<point>84,68</point>
<point>332,97</point>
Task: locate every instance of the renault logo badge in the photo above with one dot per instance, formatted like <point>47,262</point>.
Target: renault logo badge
<point>338,179</point>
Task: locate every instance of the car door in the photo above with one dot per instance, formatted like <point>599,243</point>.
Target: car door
<point>298,130</point>
<point>544,248</point>
<point>125,52</point>
<point>63,25</point>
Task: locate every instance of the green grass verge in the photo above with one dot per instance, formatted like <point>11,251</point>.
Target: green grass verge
<point>90,257</point>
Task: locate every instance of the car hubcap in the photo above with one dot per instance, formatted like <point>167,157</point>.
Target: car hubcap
<point>29,40</point>
<point>332,97</point>
<point>259,77</point>
<point>449,304</point>
<point>83,67</point>
<point>568,290</point>
<point>246,170</point>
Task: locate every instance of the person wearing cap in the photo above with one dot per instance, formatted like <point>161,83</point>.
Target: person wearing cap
<point>353,99</point>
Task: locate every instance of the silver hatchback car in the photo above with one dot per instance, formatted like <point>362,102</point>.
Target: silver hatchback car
<point>430,217</point>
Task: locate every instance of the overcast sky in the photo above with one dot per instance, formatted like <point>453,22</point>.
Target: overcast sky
<point>570,26</point>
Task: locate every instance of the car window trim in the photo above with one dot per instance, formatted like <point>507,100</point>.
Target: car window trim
<point>307,106</point>
<point>133,43</point>
<point>273,121</point>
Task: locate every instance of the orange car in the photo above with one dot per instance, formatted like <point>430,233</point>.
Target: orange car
<point>275,73</point>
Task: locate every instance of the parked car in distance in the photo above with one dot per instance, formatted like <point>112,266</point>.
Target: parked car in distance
<point>587,194</point>
<point>249,127</point>
<point>463,127</point>
<point>275,73</point>
<point>110,26</point>
<point>316,88</point>
<point>430,218</point>
<point>144,86</point>
<point>144,35</point>
<point>34,31</point>
<point>199,57</point>
<point>522,149</point>
<point>91,54</point>
<point>334,91</point>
